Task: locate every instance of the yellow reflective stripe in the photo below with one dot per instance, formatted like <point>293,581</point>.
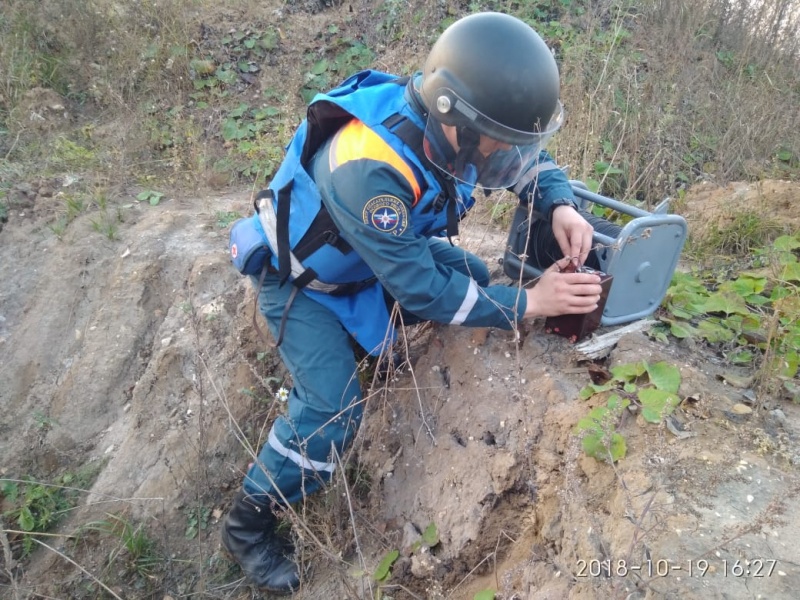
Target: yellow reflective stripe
<point>356,141</point>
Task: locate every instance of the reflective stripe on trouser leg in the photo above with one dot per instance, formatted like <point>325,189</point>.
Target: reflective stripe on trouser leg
<point>459,260</point>
<point>324,407</point>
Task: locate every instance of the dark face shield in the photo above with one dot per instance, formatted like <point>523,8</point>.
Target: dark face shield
<point>489,154</point>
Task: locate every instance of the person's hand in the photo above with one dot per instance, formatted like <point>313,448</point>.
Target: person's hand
<point>573,233</point>
<point>558,292</point>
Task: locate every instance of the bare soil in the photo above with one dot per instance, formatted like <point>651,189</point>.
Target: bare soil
<point>137,359</point>
<point>138,356</point>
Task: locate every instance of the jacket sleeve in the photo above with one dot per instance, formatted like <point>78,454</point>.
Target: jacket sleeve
<point>544,184</point>
<point>402,260</point>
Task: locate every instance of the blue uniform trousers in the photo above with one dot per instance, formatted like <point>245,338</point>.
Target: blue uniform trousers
<point>325,405</point>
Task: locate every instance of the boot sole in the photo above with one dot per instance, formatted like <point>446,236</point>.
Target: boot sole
<point>264,588</point>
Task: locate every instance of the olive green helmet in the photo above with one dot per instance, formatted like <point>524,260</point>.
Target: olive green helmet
<point>490,74</point>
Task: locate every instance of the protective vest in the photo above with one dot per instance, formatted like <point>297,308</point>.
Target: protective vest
<point>306,248</point>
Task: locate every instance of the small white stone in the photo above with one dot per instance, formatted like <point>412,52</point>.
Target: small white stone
<point>750,498</point>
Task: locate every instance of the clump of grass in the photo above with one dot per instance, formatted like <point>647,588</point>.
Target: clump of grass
<point>737,235</point>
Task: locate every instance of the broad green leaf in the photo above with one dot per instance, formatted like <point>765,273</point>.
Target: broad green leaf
<point>593,446</point>
<point>714,332</point>
<point>629,372</point>
<point>227,76</point>
<point>484,595</point>
<point>664,376</point>
<point>239,111</point>
<point>230,130</point>
<point>680,312</point>
<point>616,403</point>
<point>745,285</point>
<point>592,389</point>
<point>604,168</point>
<point>383,569</point>
<point>656,404</point>
<point>319,67</point>
<point>593,421</point>
<point>430,536</point>
<point>791,272</point>
<point>659,336</point>
<point>725,302</point>
<point>682,330</point>
<point>592,184</point>
<point>741,357</point>
<point>269,41</point>
<point>786,243</point>
<point>790,365</point>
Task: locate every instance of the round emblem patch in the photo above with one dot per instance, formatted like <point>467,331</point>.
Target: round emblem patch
<point>387,214</point>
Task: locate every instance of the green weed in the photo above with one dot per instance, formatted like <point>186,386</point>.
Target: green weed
<point>105,226</point>
<point>751,316</point>
<point>384,569</point>
<point>71,155</point>
<point>348,55</point>
<point>136,551</point>
<point>152,197</point>
<point>598,431</point>
<point>197,521</point>
<point>255,136</point>
<point>653,388</point>
<point>502,213</point>
<point>225,218</point>
<point>37,506</point>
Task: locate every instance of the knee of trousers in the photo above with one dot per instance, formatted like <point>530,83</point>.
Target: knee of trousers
<point>479,271</point>
<point>299,457</point>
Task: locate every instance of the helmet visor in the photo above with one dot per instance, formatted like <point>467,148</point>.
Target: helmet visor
<point>487,153</point>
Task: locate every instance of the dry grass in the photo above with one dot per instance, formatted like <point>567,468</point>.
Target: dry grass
<point>673,92</point>
<point>660,94</point>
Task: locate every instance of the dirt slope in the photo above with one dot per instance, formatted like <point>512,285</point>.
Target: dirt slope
<point>137,359</point>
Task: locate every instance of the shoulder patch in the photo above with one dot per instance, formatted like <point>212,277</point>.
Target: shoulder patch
<point>387,214</point>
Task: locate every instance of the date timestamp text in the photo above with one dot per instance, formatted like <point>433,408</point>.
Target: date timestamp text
<point>754,567</point>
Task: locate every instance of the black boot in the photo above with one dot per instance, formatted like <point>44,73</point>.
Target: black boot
<point>249,533</point>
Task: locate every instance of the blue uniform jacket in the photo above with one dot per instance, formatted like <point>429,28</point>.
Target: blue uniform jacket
<point>347,166</point>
